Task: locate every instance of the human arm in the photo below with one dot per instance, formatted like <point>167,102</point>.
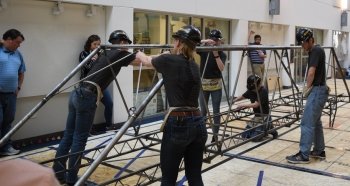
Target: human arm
<point>208,42</point>
<point>249,105</point>
<point>219,60</point>
<point>144,59</point>
<point>239,98</point>
<point>250,36</point>
<point>310,76</point>
<point>20,81</point>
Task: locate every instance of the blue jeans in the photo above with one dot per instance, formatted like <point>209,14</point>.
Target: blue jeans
<point>7,114</point>
<point>183,137</point>
<point>108,103</point>
<point>82,107</point>
<point>311,125</point>
<point>216,100</point>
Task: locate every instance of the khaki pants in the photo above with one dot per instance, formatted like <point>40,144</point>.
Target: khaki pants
<point>259,69</point>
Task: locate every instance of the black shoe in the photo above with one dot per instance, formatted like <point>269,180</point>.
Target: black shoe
<point>314,154</point>
<point>214,139</point>
<point>274,134</point>
<point>297,159</point>
<point>258,139</point>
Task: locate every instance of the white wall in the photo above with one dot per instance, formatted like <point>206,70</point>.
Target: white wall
<point>51,49</point>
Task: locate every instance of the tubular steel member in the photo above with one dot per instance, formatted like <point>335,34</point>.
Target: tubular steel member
<point>47,98</point>
<point>119,134</point>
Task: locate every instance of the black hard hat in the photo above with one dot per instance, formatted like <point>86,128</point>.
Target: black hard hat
<point>303,34</point>
<point>119,34</point>
<point>189,34</point>
<point>215,34</point>
<point>251,81</point>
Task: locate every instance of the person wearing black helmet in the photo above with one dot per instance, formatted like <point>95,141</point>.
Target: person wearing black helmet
<point>316,92</point>
<point>260,107</point>
<point>211,66</point>
<point>82,106</point>
<point>184,131</point>
<point>91,44</point>
<point>257,57</point>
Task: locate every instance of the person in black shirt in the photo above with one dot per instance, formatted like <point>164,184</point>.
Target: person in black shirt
<point>261,108</point>
<point>82,106</point>
<point>211,66</point>
<point>91,44</point>
<point>184,131</point>
<point>316,92</point>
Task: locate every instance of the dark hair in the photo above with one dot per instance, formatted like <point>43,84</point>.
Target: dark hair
<point>257,36</point>
<point>91,39</point>
<point>12,34</point>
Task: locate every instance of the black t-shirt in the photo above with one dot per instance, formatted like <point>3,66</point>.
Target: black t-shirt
<point>264,98</point>
<point>105,77</point>
<point>317,58</point>
<point>212,70</point>
<point>181,79</point>
<point>87,66</point>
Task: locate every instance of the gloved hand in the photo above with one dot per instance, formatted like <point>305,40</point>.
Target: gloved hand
<point>307,91</point>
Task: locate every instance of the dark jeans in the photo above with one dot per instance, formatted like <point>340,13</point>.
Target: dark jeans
<point>108,103</point>
<point>82,107</point>
<point>216,100</point>
<point>183,137</point>
<point>7,114</point>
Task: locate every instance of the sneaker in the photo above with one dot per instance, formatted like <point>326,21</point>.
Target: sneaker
<point>260,139</point>
<point>321,155</point>
<point>214,139</point>
<point>297,159</point>
<point>9,151</point>
<point>274,134</point>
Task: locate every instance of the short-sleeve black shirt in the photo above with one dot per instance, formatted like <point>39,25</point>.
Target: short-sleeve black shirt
<point>105,77</point>
<point>317,58</point>
<point>264,98</point>
<point>181,79</point>
<point>212,70</point>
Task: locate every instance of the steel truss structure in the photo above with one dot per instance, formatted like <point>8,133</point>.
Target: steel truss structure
<point>286,108</point>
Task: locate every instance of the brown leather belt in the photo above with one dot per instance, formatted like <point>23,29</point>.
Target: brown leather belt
<point>185,113</point>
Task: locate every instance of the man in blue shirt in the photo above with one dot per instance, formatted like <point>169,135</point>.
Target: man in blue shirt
<point>12,70</point>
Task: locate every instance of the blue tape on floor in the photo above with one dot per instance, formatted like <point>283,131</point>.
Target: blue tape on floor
<point>129,163</point>
<point>99,145</point>
<point>260,178</point>
<point>182,181</point>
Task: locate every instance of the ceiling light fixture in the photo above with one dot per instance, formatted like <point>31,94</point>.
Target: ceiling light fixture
<point>90,11</point>
<point>58,8</point>
<point>3,5</point>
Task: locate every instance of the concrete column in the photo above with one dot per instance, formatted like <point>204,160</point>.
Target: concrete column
<point>121,18</point>
<point>239,37</point>
<point>328,41</point>
<point>289,39</point>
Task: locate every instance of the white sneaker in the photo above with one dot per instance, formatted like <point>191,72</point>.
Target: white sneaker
<point>9,151</point>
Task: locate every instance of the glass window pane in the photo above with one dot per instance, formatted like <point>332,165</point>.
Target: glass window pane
<point>222,25</point>
<point>176,22</point>
<point>149,28</point>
